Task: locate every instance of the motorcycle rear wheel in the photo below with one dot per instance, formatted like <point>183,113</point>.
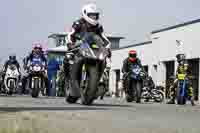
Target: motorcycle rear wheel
<point>138,92</point>
<point>35,90</point>
<point>181,100</point>
<point>69,99</point>
<point>88,95</point>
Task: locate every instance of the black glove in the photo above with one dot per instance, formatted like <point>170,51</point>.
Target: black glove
<point>25,67</point>
<point>109,53</point>
<point>70,46</point>
<point>124,75</point>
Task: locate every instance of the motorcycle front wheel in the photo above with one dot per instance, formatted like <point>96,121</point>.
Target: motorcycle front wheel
<point>88,94</point>
<point>68,98</point>
<point>35,90</point>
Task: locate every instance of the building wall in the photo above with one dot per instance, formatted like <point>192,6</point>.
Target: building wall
<point>114,43</point>
<point>166,42</point>
<point>51,42</point>
<point>166,46</point>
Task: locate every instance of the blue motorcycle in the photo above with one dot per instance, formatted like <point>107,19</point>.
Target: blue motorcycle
<point>182,94</point>
<point>36,69</point>
<point>93,59</point>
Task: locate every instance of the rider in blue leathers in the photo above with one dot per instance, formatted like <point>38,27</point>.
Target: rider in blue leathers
<point>37,50</point>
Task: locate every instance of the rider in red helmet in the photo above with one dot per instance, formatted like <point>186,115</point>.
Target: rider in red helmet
<point>130,61</point>
<point>132,55</point>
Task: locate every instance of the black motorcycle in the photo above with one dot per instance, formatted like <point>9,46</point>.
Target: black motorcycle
<point>93,57</point>
<point>36,82</point>
<point>150,91</point>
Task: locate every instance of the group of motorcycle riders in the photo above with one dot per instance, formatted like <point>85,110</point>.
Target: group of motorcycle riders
<point>89,23</point>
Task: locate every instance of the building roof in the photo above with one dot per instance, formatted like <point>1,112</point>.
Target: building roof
<point>134,45</point>
<point>58,49</point>
<point>176,26</point>
<point>114,37</point>
<point>61,34</point>
<point>54,35</point>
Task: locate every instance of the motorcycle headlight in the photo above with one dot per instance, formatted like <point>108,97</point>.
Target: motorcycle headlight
<point>86,52</point>
<point>36,68</point>
<point>68,56</point>
<point>71,62</point>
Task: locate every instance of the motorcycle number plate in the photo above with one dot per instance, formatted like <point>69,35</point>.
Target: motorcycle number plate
<point>181,76</point>
<point>36,68</point>
<point>136,71</point>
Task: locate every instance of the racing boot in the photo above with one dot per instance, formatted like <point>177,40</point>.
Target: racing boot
<point>172,101</point>
<point>192,101</point>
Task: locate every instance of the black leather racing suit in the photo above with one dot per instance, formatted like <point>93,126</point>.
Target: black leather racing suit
<point>182,69</point>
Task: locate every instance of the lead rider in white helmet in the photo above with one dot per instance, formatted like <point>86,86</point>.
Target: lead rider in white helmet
<point>89,22</point>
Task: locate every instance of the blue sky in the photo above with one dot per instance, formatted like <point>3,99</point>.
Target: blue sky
<point>25,21</point>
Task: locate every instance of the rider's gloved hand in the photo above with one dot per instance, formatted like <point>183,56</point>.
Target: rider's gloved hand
<point>109,53</point>
<point>124,75</point>
<point>4,72</point>
<point>70,46</point>
<point>25,67</point>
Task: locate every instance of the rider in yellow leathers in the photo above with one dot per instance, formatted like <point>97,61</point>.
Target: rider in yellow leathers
<point>183,68</point>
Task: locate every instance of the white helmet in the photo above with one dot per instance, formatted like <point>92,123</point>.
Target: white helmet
<point>91,14</point>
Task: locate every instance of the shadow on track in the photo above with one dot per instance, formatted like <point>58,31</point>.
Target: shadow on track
<point>110,105</point>
<point>18,109</point>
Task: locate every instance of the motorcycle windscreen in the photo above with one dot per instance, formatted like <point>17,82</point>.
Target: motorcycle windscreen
<point>36,61</point>
<point>135,71</point>
<point>93,52</point>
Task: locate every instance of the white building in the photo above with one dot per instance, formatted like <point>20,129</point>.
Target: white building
<point>158,55</point>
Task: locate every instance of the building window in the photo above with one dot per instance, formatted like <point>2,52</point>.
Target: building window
<point>146,68</point>
<point>155,67</point>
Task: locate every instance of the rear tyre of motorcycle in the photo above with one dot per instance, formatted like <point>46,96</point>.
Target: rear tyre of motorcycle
<point>68,98</point>
<point>181,100</point>
<point>129,98</point>
<point>159,96</point>
<point>10,92</point>
<point>36,90</point>
<point>12,86</point>
<point>90,94</point>
<point>138,92</point>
